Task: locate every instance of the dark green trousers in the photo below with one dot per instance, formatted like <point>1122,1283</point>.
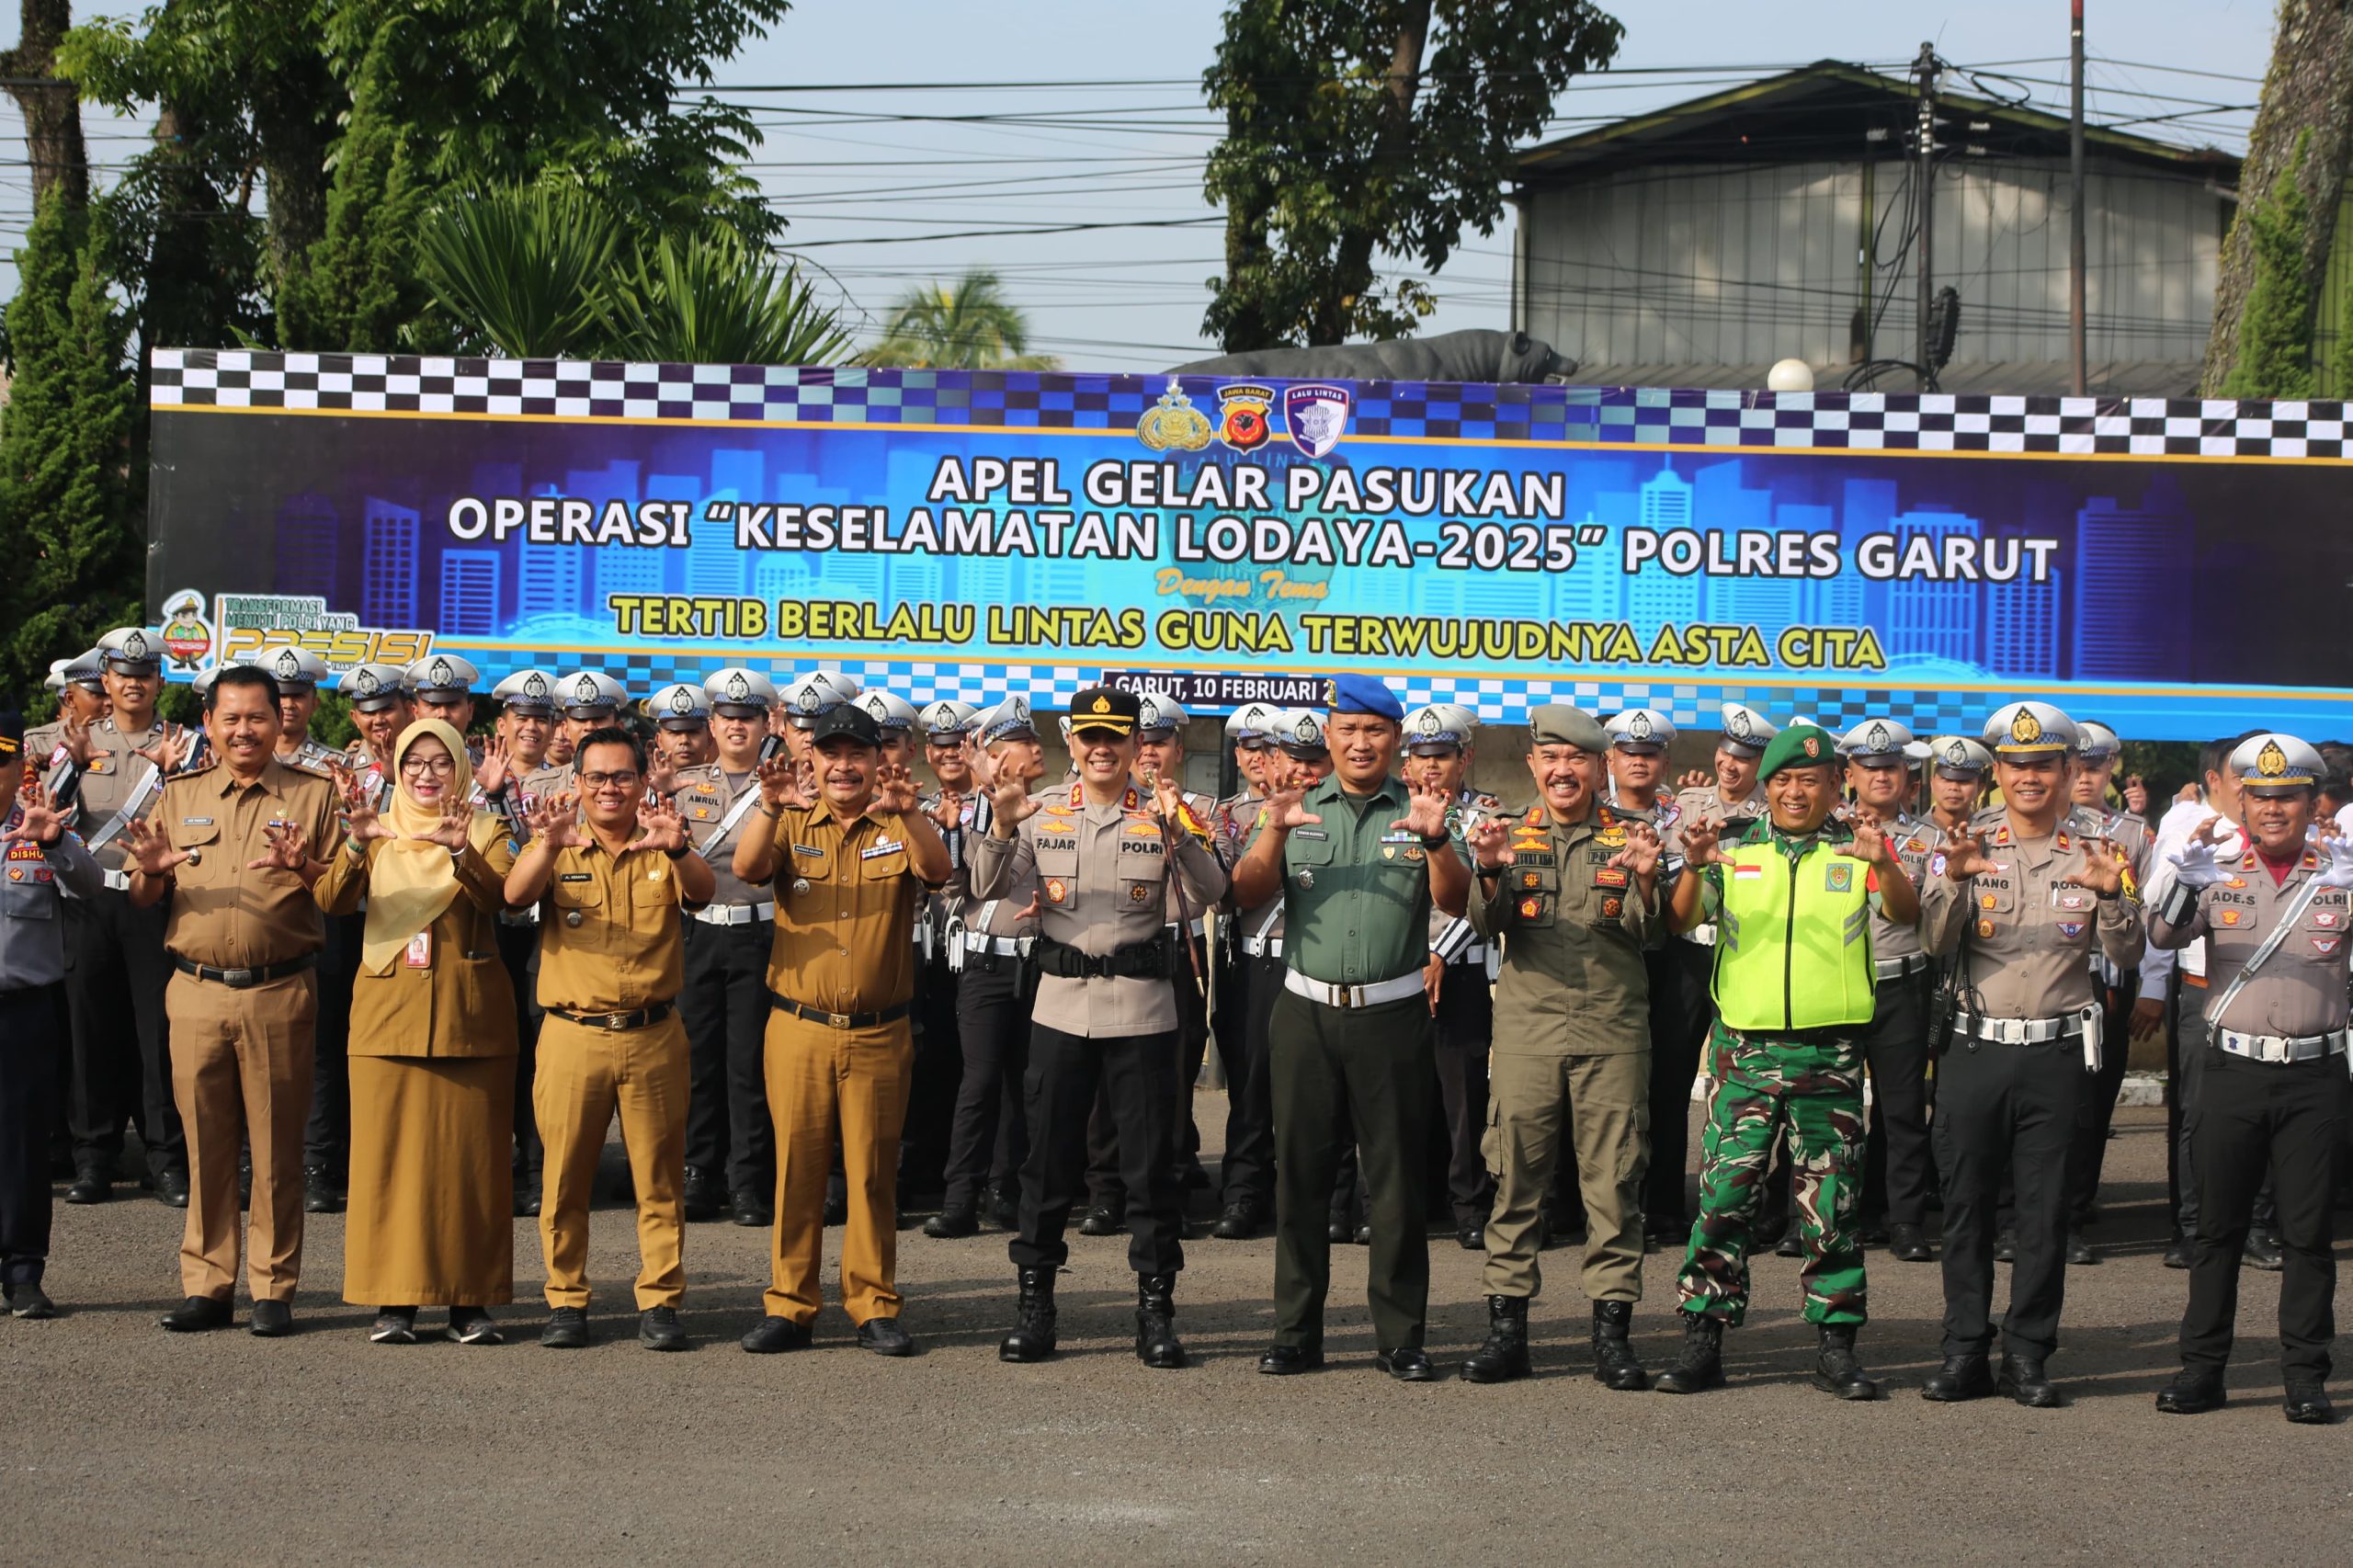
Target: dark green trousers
<point>1341,1073</point>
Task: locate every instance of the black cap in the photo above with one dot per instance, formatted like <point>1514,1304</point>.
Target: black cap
<point>1105,708</point>
<point>845,719</point>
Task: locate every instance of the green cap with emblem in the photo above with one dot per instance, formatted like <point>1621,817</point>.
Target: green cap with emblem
<point>1800,745</point>
<point>1558,724</point>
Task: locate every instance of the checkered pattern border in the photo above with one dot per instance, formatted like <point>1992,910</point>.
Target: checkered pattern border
<point>399,384</point>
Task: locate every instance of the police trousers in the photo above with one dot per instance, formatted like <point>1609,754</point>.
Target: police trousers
<point>989,1137</point>
<point>32,1048</point>
<point>725,1008</point>
<point>1137,1077</point>
<point>116,975</point>
<point>2005,1110</point>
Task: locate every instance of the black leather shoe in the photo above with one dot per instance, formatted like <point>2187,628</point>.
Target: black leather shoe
<point>171,1188</point>
<point>772,1336</point>
<point>837,1207</point>
<point>91,1185</point>
<point>2178,1253</point>
<point>2306,1405</point>
<point>270,1319</point>
<point>2006,1247</point>
<point>2193,1393</point>
<point>1472,1238</point>
<point>1615,1364</point>
<point>949,1223</point>
<point>885,1338</point>
<point>1364,1234</point>
<point>1502,1356</point>
<point>1768,1232</point>
<point>750,1209</point>
<point>1002,1209</point>
<point>2023,1380</point>
<point>1789,1245</point>
<point>2262,1251</point>
<point>1340,1232</point>
<point>1962,1377</point>
<point>319,1194</point>
<point>1238,1224</point>
<point>198,1313</point>
<point>1156,1343</point>
<point>699,1196</point>
<point>29,1301</point>
<point>1288,1360</point>
<point>393,1326</point>
<point>2079,1251</point>
<point>1871,1233</point>
<point>658,1328</point>
<point>527,1185</point>
<point>567,1329</point>
<point>1908,1243</point>
<point>1032,1338</point>
<point>1410,1365</point>
<point>1103,1219</point>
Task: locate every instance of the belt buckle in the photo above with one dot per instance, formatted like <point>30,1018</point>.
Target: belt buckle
<point>237,978</point>
<point>608,1020</point>
<point>838,1020</point>
<point>1347,995</point>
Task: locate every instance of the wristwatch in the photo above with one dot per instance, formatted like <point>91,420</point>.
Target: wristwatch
<point>1440,842</point>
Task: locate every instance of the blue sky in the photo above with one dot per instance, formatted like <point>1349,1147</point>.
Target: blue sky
<point>864,187</point>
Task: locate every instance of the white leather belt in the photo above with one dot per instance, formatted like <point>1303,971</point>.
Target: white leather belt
<point>2018,1031</point>
<point>119,880</point>
<point>1700,936</point>
<point>1262,946</point>
<point>1003,946</point>
<point>1896,968</point>
<point>1372,995</point>
<point>2279,1048</point>
<point>1476,953</point>
<point>1195,929</point>
<point>736,913</point>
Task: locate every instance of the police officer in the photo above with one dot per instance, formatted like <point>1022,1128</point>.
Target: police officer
<point>2117,989</point>
<point>681,744</point>
<point>231,854</point>
<point>1683,970</point>
<point>2036,897</point>
<point>443,686</point>
<point>518,750</point>
<point>80,686</point>
<point>939,1058</point>
<point>2275,917</point>
<point>44,862</point>
<point>1359,860</point>
<point>1897,1163</point>
<point>680,714</point>
<point>989,944</point>
<point>1246,1173</point>
<point>1105,852</point>
<point>1571,892</point>
<point>731,1142</point>
<point>1958,769</point>
<point>381,709</point>
<point>117,971</point>
<point>1793,993</point>
<point>298,673</point>
<point>584,701</point>
<point>1462,968</point>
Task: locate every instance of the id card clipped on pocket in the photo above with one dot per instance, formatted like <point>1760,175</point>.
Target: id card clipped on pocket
<point>420,951</point>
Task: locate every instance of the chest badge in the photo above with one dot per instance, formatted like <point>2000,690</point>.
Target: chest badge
<point>1057,891</point>
<point>800,884</point>
<point>1530,907</point>
<point>1985,927</point>
<point>2326,946</point>
<point>1306,879</point>
<point>573,917</point>
<point>1138,892</point>
<point>1838,876</point>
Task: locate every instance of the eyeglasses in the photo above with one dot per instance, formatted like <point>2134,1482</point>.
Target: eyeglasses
<point>608,781</point>
<point>445,766</point>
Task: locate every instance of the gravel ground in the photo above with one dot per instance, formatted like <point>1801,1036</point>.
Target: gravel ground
<point>131,1444</point>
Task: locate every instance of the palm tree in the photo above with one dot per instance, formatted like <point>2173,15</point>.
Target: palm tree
<point>966,325</point>
<point>710,299</point>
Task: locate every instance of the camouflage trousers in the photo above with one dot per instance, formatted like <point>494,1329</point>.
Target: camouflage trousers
<point>1812,1089</point>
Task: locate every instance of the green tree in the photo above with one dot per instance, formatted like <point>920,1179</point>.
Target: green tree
<point>521,271</point>
<point>710,298</point>
<point>965,326</point>
<point>66,491</point>
<point>1362,127</point>
<point>355,290</point>
<point>2275,328</point>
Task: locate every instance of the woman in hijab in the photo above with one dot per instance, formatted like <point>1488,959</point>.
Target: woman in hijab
<point>432,1048</point>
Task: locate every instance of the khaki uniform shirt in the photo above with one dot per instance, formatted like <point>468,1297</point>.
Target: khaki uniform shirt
<point>957,911</point>
<point>1573,928</point>
<point>1358,890</point>
<point>448,995</point>
<point>2026,936</point>
<point>706,795</point>
<point>611,938</point>
<point>1103,875</point>
<point>2300,991</point>
<point>115,772</point>
<point>1914,842</point>
<point>846,901</point>
<point>221,913</point>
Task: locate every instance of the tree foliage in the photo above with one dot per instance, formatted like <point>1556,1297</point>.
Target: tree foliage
<point>2274,329</point>
<point>1356,128</point>
<point>965,326</point>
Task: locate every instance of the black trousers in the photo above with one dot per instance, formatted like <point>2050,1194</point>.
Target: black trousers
<point>2096,1114</point>
<point>116,971</point>
<point>1897,1164</point>
<point>32,1046</point>
<point>1339,1073</point>
<point>1106,1186</point>
<point>724,1008</point>
<point>1137,1075</point>
<point>519,950</point>
<point>1681,1009</point>
<point>2006,1109</point>
<point>2187,1054</point>
<point>2254,1120</point>
<point>937,1066</point>
<point>988,1141</point>
<point>1464,1029</point>
<point>326,1133</point>
<point>1243,1041</point>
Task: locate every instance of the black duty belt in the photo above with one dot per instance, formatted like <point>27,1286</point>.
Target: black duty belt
<point>636,1020</point>
<point>1137,960</point>
<point>842,1020</point>
<point>244,979</point>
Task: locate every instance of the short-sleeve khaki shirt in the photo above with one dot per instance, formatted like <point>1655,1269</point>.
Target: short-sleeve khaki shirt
<point>611,937</point>
<point>845,903</point>
<point>222,913</point>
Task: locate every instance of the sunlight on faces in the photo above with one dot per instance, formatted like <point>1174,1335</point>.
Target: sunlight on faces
<point>381,729</point>
<point>846,770</point>
<point>1735,775</point>
<point>1441,771</point>
<point>948,764</point>
<point>526,735</point>
<point>2032,787</point>
<point>1955,796</point>
<point>427,770</point>
<point>1163,756</point>
<point>1637,772</point>
<point>295,705</point>
<point>1105,757</point>
<point>2279,821</point>
<point>683,747</point>
<point>562,743</point>
<point>738,740</point>
<point>898,748</point>
<point>2088,787</point>
<point>611,788</point>
<point>1566,777</point>
<point>1363,746</point>
<point>1800,798</point>
<point>243,725</point>
<point>1881,789</point>
<point>1019,757</point>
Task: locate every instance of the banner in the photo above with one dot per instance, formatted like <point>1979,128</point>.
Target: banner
<point>2176,570</point>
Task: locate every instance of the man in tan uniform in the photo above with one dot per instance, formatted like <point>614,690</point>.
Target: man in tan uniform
<point>848,874</point>
<point>234,847</point>
<point>611,882</point>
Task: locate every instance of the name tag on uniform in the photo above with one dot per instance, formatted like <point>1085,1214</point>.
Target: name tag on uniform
<point>876,851</point>
<point>806,849</point>
<point>196,821</point>
<point>1315,832</point>
<point>575,877</point>
<point>420,951</point>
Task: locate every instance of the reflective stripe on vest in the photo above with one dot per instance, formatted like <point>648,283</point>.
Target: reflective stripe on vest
<point>1794,948</point>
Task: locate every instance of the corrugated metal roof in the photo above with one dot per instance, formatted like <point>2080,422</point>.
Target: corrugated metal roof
<point>2136,378</point>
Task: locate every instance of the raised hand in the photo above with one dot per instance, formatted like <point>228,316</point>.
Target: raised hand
<point>1695,778</point>
<point>169,749</point>
<point>894,789</point>
<point>454,830</point>
<point>289,848</point>
<point>148,849</point>
<point>497,765</point>
<point>2337,862</point>
<point>1964,854</point>
<point>556,819</point>
<point>2136,796</point>
<point>661,775</point>
<point>1702,842</point>
<point>75,736</point>
<point>2104,867</point>
<point>779,779</point>
<point>659,826</point>
<point>948,811</point>
<point>361,821</point>
<point>2194,864</point>
<point>1425,817</point>
<point>1640,855</point>
<point>1870,844</point>
<point>1490,841</point>
<point>37,822</point>
<point>1284,808</point>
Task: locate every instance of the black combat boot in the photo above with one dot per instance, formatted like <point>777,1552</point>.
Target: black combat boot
<point>1033,1338</point>
<point>1156,1341</point>
<point>1503,1356</point>
<point>1702,1364</point>
<point>1836,1370</point>
<point>1613,1360</point>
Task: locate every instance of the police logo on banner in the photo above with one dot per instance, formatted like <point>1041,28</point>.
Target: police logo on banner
<point>1316,414</point>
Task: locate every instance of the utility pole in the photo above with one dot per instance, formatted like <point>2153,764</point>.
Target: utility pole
<point>1925,137</point>
<point>2075,357</point>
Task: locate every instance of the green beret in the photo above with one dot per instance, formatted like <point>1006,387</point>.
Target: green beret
<point>1800,745</point>
<point>1558,724</point>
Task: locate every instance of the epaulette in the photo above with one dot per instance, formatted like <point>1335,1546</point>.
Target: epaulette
<point>198,771</point>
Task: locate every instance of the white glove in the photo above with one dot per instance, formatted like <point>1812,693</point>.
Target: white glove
<point>2195,866</point>
<point>2336,864</point>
